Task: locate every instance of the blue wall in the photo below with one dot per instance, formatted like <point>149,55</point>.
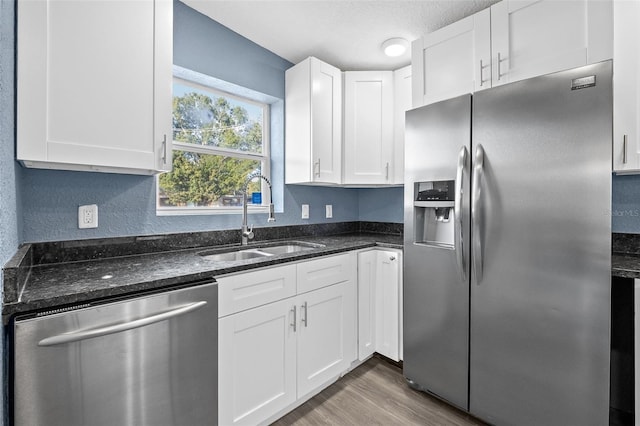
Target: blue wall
<point>625,204</point>
<point>377,203</point>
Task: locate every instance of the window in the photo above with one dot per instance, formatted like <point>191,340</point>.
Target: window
<point>219,140</point>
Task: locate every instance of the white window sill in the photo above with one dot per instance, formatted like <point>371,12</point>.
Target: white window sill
<point>189,211</point>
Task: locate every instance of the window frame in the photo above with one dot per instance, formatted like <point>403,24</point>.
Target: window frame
<point>264,157</point>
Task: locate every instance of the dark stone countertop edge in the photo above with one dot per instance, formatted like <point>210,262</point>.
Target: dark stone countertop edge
<point>368,240</point>
<point>625,256</point>
<point>624,265</point>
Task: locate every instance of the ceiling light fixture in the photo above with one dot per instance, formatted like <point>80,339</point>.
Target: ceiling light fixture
<point>395,47</point>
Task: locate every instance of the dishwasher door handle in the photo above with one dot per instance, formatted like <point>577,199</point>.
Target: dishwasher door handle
<point>75,336</point>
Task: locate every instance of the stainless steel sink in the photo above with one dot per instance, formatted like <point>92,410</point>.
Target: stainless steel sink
<point>274,249</point>
<point>287,248</point>
<point>231,256</point>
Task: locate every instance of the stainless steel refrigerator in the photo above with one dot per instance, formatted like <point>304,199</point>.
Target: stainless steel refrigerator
<point>507,249</point>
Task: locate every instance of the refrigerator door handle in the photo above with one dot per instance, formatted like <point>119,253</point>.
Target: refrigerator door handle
<point>457,208</point>
<point>478,173</point>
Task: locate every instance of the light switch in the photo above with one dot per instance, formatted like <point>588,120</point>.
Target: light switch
<point>305,211</point>
<point>328,211</point>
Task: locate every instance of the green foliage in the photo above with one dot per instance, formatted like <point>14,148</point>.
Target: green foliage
<point>202,179</point>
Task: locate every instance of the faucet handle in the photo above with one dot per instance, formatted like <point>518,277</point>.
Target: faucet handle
<point>248,233</point>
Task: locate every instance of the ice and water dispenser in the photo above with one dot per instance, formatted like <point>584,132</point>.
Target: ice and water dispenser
<point>434,213</point>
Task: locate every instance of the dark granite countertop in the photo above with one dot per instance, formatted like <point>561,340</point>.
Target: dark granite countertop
<point>625,265</point>
<point>625,256</point>
<point>47,275</point>
<point>57,284</point>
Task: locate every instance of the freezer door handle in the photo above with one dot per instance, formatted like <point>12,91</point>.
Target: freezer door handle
<point>457,212</point>
<point>76,336</point>
<point>476,206</point>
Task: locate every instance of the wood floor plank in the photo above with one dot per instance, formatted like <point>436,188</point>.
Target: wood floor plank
<point>375,393</point>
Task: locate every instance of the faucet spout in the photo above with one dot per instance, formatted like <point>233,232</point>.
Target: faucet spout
<point>247,231</point>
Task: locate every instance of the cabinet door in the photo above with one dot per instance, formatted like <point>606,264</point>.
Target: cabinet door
<point>368,127</point>
<point>251,289</point>
<point>326,122</point>
<point>388,304</point>
<point>401,104</point>
<point>452,61</point>
<point>313,146</point>
<point>536,37</point>
<point>256,363</point>
<point>626,87</point>
<point>367,269</point>
<point>326,335</point>
<point>326,271</point>
<point>94,85</point>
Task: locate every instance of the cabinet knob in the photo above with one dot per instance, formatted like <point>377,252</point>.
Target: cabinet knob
<point>392,258</point>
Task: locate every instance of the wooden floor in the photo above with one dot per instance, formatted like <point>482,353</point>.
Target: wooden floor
<point>375,393</point>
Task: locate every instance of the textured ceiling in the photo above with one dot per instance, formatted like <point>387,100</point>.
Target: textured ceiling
<point>347,34</point>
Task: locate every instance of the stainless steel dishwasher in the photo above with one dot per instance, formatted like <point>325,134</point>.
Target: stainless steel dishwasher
<point>149,360</point>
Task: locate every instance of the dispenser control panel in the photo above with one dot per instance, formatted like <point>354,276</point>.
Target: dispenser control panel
<point>441,190</point>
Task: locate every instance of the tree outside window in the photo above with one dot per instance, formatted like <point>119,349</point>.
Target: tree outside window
<point>218,141</point>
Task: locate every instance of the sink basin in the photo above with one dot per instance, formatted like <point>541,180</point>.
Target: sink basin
<point>264,251</point>
<point>234,255</point>
<point>287,248</point>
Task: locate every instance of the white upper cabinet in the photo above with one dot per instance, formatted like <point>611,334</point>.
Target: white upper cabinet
<point>453,60</point>
<point>368,127</point>
<point>95,85</point>
<point>626,87</point>
<point>313,133</point>
<point>401,104</point>
<point>513,40</point>
<point>530,38</point>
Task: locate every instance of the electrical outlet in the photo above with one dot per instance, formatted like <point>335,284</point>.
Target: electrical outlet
<point>328,211</point>
<point>305,211</point>
<point>88,216</point>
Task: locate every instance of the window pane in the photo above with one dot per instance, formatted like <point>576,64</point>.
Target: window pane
<point>207,118</point>
<point>205,180</point>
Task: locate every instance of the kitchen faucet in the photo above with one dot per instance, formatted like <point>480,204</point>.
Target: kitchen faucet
<point>247,232</point>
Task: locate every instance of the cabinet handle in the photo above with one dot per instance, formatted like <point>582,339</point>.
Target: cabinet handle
<point>481,80</point>
<point>317,164</point>
<point>164,149</point>
<point>624,149</point>
<point>499,60</point>
<point>387,171</point>
<point>295,320</point>
<point>304,320</point>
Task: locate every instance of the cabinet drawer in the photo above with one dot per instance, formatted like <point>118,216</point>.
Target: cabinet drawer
<point>325,271</point>
<point>250,289</point>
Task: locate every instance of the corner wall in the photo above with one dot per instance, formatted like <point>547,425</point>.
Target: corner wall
<point>9,227</point>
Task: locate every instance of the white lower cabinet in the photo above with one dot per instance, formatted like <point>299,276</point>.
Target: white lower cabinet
<point>325,336</point>
<point>275,355</point>
<point>380,303</point>
<point>256,363</point>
